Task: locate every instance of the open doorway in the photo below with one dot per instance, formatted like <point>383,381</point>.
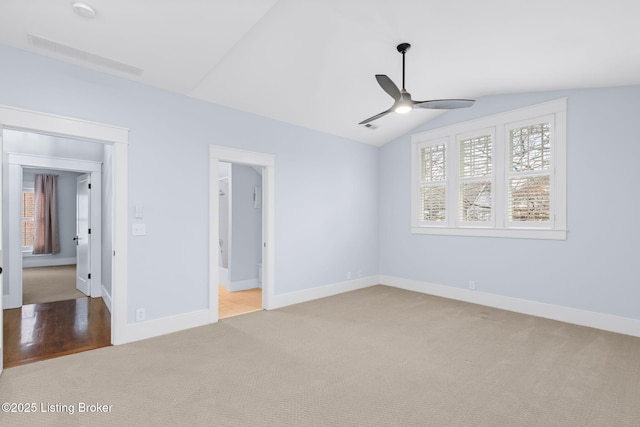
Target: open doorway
<point>57,275</point>
<point>115,140</point>
<point>240,239</point>
<point>54,305</point>
<point>250,249</point>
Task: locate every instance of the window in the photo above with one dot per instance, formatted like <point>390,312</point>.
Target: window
<point>501,176</point>
<point>433,189</point>
<point>28,214</point>
<point>476,178</point>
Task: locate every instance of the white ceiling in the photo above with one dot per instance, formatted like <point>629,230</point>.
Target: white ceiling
<point>312,62</point>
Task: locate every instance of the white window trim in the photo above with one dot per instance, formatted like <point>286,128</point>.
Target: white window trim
<point>556,229</point>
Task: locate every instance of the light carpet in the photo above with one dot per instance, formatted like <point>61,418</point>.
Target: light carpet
<point>47,284</point>
<point>379,356</point>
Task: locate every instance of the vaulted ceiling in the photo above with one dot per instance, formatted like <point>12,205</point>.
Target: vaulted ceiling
<point>312,62</point>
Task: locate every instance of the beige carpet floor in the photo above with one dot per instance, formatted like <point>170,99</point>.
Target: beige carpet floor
<point>47,284</point>
<point>374,357</point>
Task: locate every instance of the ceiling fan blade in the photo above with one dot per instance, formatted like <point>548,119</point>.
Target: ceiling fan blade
<point>388,86</point>
<point>377,116</point>
<point>444,104</point>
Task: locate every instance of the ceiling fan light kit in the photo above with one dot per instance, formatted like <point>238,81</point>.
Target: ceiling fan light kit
<point>403,102</point>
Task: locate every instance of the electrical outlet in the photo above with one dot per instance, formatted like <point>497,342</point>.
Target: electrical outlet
<point>472,285</point>
<point>140,314</point>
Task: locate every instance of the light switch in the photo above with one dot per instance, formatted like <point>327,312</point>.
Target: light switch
<point>138,229</point>
<point>139,212</point>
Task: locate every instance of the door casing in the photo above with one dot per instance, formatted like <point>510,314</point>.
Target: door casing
<point>252,158</point>
<point>118,138</point>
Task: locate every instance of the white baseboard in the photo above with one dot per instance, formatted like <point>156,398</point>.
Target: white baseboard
<point>243,285</point>
<point>45,261</point>
<point>167,325</point>
<point>297,297</point>
<point>106,297</point>
<point>607,322</point>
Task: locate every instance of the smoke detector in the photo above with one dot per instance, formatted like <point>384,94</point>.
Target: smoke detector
<point>83,9</point>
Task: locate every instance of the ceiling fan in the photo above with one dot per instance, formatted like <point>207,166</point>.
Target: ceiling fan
<point>403,102</point>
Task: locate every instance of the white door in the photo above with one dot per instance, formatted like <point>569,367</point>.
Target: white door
<point>83,235</point>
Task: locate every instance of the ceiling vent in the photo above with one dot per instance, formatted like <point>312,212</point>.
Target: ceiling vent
<point>82,55</point>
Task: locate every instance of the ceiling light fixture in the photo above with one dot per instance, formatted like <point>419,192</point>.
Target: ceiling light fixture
<point>83,9</point>
<point>404,104</point>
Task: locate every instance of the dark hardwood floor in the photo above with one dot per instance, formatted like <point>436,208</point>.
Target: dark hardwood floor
<point>42,331</point>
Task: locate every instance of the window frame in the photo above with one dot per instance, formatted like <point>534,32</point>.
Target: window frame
<point>459,179</point>
<point>419,183</point>
<point>553,112</point>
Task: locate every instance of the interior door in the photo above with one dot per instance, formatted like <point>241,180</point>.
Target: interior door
<point>83,235</point>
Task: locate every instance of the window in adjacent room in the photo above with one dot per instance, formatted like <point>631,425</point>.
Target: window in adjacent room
<point>28,223</point>
<point>501,176</point>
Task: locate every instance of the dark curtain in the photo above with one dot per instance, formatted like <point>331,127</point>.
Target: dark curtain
<point>46,239</point>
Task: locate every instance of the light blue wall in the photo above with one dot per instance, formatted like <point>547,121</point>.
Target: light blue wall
<point>595,269</point>
<point>246,225</point>
<point>325,186</point>
<point>342,206</point>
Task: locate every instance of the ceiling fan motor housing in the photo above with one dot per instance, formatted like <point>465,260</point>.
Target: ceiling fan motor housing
<point>403,47</point>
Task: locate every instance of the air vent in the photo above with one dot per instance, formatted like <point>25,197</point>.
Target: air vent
<point>82,55</point>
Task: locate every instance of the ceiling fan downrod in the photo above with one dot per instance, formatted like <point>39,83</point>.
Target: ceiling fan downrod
<point>403,48</point>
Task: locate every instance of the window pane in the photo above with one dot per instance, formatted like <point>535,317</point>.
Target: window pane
<point>475,201</point>
<point>27,233</point>
<point>27,205</point>
<point>529,198</point>
<point>530,148</point>
<point>475,156</point>
<point>433,203</point>
<point>432,159</point>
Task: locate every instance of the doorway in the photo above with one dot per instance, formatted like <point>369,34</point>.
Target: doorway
<point>240,239</point>
<point>262,196</point>
<point>64,274</point>
<point>54,286</point>
<point>115,137</point>
<point>21,165</point>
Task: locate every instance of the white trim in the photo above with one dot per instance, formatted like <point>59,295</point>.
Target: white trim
<point>34,121</point>
<point>56,163</point>
<point>106,297</point>
<point>607,322</point>
<point>30,261</point>
<point>514,233</point>
<point>167,325</point>
<point>267,162</point>
<point>52,124</point>
<point>243,285</point>
<point>305,295</point>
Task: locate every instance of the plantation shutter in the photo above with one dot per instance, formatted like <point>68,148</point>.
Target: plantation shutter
<point>475,191</point>
<point>529,174</point>
<point>433,182</point>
